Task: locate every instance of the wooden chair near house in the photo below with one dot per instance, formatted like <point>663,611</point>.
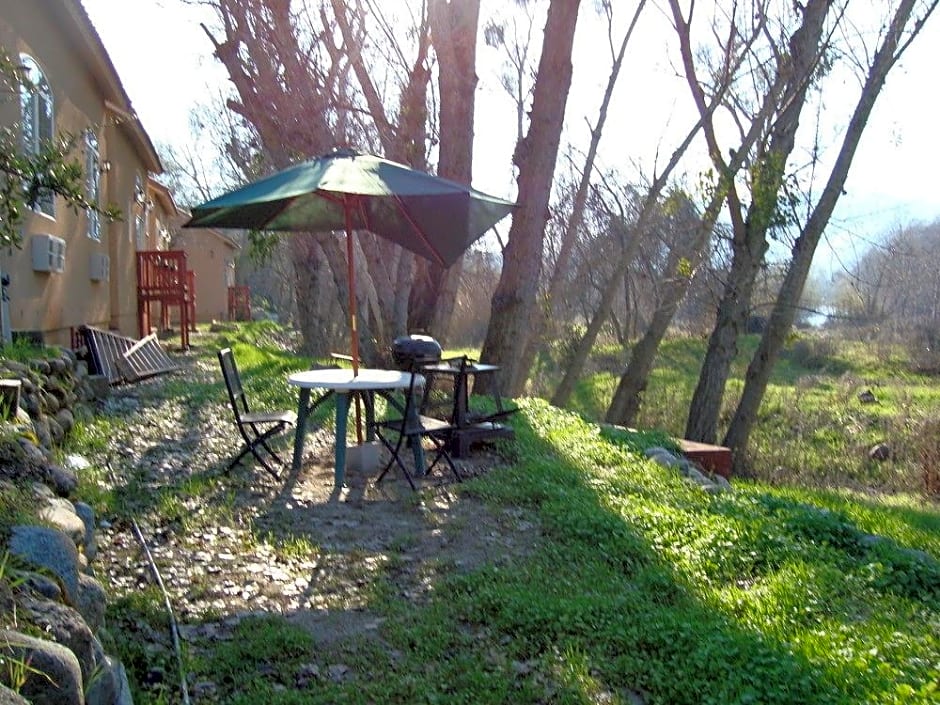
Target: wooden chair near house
<point>162,277</point>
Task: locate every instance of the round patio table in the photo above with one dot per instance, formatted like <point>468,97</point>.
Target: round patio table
<point>343,383</point>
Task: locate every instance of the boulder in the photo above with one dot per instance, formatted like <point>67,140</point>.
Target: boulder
<point>53,677</point>
<point>62,481</point>
<point>43,586</point>
<point>55,430</point>
<point>41,429</point>
<point>109,686</point>
<point>66,626</point>
<point>61,514</point>
<point>8,697</point>
<point>49,549</point>
<point>92,601</point>
<point>65,419</point>
<point>89,542</point>
<point>663,457</point>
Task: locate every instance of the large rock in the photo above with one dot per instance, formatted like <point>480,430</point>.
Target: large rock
<point>67,627</point>
<point>44,547</point>
<point>62,480</point>
<point>41,429</point>
<point>8,697</point>
<point>54,676</point>
<point>92,601</point>
<point>109,686</point>
<point>61,514</point>
<point>65,419</point>
<point>89,541</point>
<point>55,430</point>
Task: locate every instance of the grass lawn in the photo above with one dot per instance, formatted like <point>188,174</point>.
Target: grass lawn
<point>638,587</point>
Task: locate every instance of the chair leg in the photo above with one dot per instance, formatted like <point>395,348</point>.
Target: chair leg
<point>441,452</point>
<point>252,444</point>
<point>264,463</point>
<point>395,460</point>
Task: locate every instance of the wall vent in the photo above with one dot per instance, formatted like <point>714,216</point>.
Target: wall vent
<point>99,267</point>
<point>48,253</point>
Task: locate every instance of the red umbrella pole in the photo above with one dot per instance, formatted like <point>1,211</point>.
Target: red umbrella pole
<point>353,328</point>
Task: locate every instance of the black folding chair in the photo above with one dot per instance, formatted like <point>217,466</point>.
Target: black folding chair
<point>255,427</point>
<point>398,434</point>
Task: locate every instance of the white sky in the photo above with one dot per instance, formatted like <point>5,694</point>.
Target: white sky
<point>164,61</point>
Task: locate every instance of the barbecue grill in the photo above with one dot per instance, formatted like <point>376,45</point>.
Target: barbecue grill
<point>411,351</point>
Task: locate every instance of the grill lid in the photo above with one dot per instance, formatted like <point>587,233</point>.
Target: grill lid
<point>410,349</point>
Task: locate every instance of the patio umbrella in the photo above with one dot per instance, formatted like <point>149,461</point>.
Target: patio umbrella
<point>346,190</point>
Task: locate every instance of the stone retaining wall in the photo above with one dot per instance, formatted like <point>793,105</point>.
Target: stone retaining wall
<point>53,607</point>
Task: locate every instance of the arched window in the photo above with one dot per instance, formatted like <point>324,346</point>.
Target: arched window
<point>140,216</point>
<point>38,118</point>
<point>93,183</point>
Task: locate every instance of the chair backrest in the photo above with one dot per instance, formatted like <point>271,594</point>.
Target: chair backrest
<point>233,383</point>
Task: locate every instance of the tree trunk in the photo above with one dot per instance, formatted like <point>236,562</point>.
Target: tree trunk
<point>454,28</point>
<point>794,72</point>
<point>586,344</point>
<point>680,268</point>
<point>784,310</point>
<point>570,237</point>
<point>535,156</point>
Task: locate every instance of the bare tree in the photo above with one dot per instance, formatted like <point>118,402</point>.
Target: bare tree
<point>905,24</point>
<point>735,49</point>
<point>454,39</point>
<point>535,156</point>
<point>290,61</point>
<point>561,265</point>
<point>785,84</point>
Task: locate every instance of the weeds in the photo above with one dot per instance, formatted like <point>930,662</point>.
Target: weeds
<point>636,584</point>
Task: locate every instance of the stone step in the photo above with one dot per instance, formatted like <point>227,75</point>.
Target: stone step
<point>716,459</point>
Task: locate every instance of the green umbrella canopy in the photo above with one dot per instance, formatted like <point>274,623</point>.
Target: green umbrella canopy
<point>345,190</point>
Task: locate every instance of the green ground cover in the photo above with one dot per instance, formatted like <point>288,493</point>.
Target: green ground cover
<point>637,585</point>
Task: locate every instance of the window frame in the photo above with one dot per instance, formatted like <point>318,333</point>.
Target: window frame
<point>93,184</point>
<point>37,111</point>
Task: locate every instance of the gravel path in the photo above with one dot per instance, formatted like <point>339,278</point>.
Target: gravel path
<point>241,543</point>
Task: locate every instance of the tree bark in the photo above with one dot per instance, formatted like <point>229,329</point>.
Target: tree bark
<point>535,156</point>
<point>795,70</point>
<point>570,238</point>
<point>454,27</point>
<point>580,355</point>
<point>784,310</point>
<point>733,55</point>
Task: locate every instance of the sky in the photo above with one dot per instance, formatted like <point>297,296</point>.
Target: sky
<point>164,60</point>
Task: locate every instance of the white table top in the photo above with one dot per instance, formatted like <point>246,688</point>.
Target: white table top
<point>343,379</point>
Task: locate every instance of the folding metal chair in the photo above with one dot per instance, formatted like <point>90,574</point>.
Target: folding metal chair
<point>398,434</point>
<point>255,427</point>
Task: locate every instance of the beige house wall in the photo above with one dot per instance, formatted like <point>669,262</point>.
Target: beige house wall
<point>211,255</point>
<point>87,94</point>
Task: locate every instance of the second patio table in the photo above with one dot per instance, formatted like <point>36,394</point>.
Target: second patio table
<point>344,383</point>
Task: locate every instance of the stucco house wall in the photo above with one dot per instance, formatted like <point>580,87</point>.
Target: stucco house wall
<point>87,94</point>
<point>211,255</point>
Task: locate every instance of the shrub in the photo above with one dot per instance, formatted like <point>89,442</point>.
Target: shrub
<point>813,353</point>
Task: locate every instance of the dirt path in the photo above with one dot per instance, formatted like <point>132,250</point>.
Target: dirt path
<point>242,543</point>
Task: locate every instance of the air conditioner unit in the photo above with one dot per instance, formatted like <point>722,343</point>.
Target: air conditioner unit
<point>99,267</point>
<point>48,253</point>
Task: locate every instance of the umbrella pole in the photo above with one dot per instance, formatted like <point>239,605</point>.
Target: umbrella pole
<point>353,328</point>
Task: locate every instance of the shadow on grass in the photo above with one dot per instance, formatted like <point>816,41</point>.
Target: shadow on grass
<point>575,573</point>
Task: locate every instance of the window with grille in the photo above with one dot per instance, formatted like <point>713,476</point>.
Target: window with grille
<point>38,120</point>
<point>93,183</point>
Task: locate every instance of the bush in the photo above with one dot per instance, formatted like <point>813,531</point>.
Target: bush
<point>813,353</point>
